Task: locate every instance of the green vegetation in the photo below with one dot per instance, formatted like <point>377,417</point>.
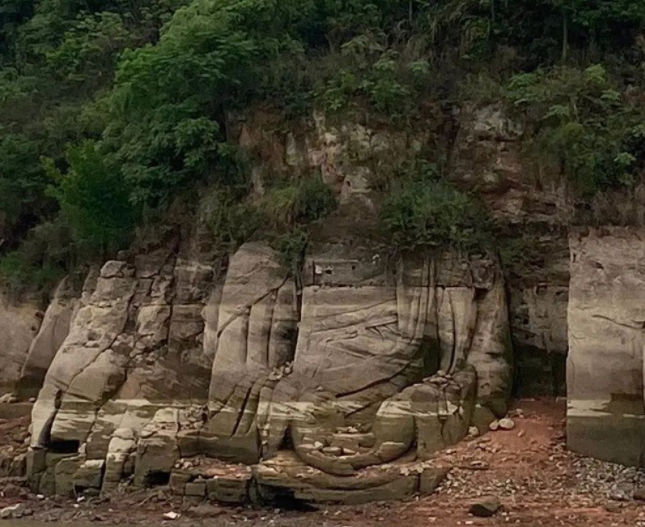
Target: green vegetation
<point>112,110</point>
<point>41,258</point>
<point>282,216</point>
<point>582,126</point>
<point>289,204</point>
<point>94,199</point>
<point>434,215</point>
<point>289,208</point>
<point>230,221</point>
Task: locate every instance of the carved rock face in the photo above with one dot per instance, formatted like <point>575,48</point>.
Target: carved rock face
<point>370,362</point>
<point>134,351</point>
<point>251,334</point>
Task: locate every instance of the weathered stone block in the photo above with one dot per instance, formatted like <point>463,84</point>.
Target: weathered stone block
<point>89,474</point>
<point>605,415</point>
<point>35,467</point>
<point>196,489</point>
<point>18,467</point>
<point>286,476</point>
<point>229,490</point>
<point>64,476</point>
<point>178,482</point>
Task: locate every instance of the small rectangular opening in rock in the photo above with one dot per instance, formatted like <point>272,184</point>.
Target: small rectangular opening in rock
<point>64,447</point>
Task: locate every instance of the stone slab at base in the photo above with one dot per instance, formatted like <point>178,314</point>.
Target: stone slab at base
<point>286,478</point>
<point>615,434</point>
<point>229,490</point>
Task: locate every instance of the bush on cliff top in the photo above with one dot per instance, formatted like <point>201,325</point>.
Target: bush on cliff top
<point>434,215</point>
<point>290,207</point>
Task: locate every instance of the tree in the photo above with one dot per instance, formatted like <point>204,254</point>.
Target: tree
<point>95,200</point>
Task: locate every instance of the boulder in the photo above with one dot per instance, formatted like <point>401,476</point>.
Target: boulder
<point>506,424</point>
<point>430,479</point>
<point>485,508</point>
<point>196,489</point>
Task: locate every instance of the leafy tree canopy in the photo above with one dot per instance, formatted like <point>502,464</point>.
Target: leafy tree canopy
<point>110,108</point>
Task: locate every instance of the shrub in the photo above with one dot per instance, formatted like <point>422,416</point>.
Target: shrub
<point>290,207</point>
<point>581,126</point>
<point>370,72</point>
<point>434,215</point>
<point>40,261</point>
<point>95,200</point>
<point>296,203</point>
<point>291,247</point>
<point>231,221</point>
<point>22,183</point>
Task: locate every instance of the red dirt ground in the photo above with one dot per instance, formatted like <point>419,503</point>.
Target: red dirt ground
<point>528,468</point>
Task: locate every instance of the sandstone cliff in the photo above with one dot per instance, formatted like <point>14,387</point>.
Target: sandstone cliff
<point>606,330</point>
<point>362,358</point>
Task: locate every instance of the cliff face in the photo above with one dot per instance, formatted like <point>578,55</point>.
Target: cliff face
<point>361,359</point>
<point>154,370</point>
<point>486,159</point>
<point>483,148</point>
<point>484,156</point>
<point>606,324</point>
<point>52,332</point>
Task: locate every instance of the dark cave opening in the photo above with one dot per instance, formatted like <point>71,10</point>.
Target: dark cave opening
<point>158,478</point>
<point>64,446</point>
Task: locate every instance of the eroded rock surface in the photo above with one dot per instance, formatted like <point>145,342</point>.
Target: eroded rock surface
<point>484,145</point>
<point>342,383</point>
<point>487,156</point>
<point>127,374</point>
<point>361,360</point>
<point>606,414</point>
<point>372,360</point>
<point>53,332</point>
